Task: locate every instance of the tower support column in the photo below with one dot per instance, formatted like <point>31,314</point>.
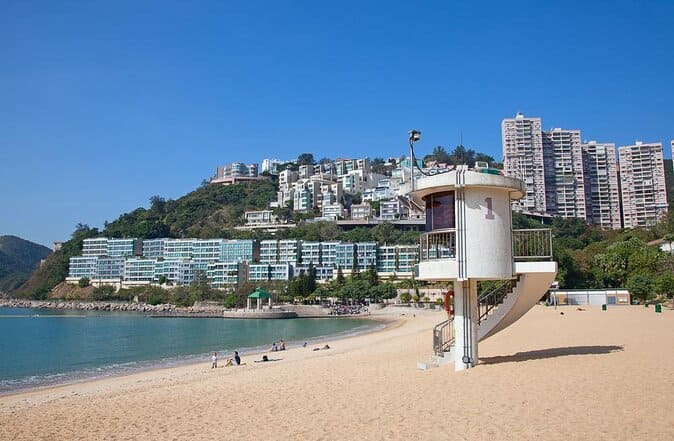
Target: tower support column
<point>465,324</point>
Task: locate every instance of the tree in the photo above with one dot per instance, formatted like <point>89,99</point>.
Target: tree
<point>440,155</point>
<point>285,213</point>
<point>664,285</point>
<point>305,159</point>
<point>231,301</point>
<point>370,276</point>
<point>460,156</point>
<point>640,286</point>
<point>624,259</point>
<point>158,204</point>
<point>340,276</point>
<point>83,282</point>
<point>405,297</point>
<point>103,292</point>
<point>482,157</point>
<point>379,166</point>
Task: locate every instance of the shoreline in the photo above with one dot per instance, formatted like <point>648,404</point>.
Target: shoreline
<point>168,310</point>
<point>384,322</point>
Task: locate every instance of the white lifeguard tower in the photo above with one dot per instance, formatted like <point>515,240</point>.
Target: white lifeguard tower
<point>469,238</point>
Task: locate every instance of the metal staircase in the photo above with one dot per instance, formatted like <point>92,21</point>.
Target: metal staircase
<point>488,303</point>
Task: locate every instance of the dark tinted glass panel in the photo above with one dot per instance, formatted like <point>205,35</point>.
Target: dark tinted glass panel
<point>440,211</point>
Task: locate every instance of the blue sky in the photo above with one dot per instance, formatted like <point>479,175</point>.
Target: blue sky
<point>104,104</point>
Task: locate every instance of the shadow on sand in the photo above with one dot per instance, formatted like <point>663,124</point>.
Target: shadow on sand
<point>551,353</point>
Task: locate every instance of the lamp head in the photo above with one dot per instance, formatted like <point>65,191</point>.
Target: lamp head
<point>415,135</point>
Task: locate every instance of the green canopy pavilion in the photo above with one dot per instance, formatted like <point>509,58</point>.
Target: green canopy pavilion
<point>259,294</point>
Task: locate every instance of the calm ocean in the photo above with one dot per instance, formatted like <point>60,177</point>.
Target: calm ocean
<point>40,347</point>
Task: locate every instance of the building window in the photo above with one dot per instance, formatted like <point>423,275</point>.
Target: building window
<point>440,211</point>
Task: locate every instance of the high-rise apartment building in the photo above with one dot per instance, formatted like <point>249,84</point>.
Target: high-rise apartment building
<point>642,184</point>
<point>523,158</point>
<point>563,173</point>
<point>602,194</point>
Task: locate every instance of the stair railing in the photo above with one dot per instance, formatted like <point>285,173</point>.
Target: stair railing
<point>489,300</point>
<point>443,337</point>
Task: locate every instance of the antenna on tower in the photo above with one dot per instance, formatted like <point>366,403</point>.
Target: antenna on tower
<point>461,137</point>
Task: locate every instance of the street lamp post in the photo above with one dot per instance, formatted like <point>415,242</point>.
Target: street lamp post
<point>414,136</point>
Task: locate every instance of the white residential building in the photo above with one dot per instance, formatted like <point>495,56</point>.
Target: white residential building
<point>286,179</point>
<point>523,158</point>
<point>238,250</point>
<point>139,271</point>
<point>97,246</point>
<point>361,211</point>
<point>642,184</point>
<point>261,217</point>
<point>270,165</point>
<point>366,255</point>
<point>329,253</point>
<point>176,271</point>
<point>305,171</point>
<point>289,251</point>
<point>225,274</point>
<point>392,209</point>
<point>332,212</point>
<point>268,251</point>
<point>153,248</point>
<point>563,173</point>
<point>178,249</point>
<point>602,194</point>
<point>311,253</point>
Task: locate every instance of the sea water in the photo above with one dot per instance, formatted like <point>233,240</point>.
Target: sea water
<point>40,347</point>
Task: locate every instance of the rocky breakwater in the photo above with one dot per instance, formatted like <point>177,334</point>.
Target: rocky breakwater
<point>93,306</point>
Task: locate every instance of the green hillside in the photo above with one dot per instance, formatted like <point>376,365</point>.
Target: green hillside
<point>18,258</point>
<point>209,211</point>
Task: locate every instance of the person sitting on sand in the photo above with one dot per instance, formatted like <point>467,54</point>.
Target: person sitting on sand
<point>237,359</point>
<point>273,348</point>
<point>229,363</point>
<point>327,346</point>
<point>214,360</point>
<point>304,345</point>
<point>283,346</point>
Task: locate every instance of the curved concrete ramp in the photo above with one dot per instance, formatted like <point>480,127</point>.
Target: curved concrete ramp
<point>535,279</point>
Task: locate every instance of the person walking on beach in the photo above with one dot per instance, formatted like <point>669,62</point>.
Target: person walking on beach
<point>283,346</point>
<point>214,360</point>
<point>237,359</point>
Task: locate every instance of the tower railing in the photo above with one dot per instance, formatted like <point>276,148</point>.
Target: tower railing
<point>438,244</point>
<point>532,244</point>
<point>527,244</point>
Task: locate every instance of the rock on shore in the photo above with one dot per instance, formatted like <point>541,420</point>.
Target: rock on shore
<point>108,306</point>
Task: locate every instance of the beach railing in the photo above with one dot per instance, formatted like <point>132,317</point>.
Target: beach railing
<point>438,244</point>
<point>532,244</point>
<point>443,337</point>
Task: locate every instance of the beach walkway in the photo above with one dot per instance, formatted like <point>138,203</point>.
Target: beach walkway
<point>582,375</point>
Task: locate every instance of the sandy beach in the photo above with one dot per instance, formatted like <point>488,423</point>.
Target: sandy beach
<point>581,375</point>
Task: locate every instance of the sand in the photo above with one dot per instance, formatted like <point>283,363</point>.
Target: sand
<point>582,375</point>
